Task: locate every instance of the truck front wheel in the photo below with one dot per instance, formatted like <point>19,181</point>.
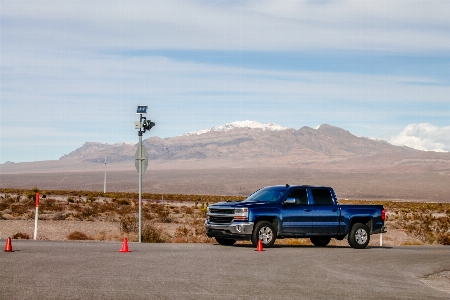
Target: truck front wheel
<point>266,232</point>
<point>359,236</point>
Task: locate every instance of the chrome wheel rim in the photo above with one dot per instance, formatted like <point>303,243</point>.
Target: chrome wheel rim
<point>361,236</point>
<point>265,235</point>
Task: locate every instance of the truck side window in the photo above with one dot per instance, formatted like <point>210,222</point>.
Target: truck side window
<point>322,197</point>
<point>300,195</point>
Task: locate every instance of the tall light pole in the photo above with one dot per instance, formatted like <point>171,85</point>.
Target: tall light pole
<point>141,155</point>
<point>104,183</point>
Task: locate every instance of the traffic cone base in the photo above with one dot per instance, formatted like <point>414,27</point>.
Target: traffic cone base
<point>8,246</point>
<point>124,246</point>
<point>260,246</point>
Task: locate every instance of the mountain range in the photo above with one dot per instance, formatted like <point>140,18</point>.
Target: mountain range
<point>238,158</point>
<point>252,144</point>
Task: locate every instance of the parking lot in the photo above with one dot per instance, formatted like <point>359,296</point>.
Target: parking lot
<point>97,270</point>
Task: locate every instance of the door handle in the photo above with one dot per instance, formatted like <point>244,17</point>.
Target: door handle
<point>308,210</point>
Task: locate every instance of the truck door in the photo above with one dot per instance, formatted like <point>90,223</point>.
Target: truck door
<point>325,214</point>
<point>297,217</point>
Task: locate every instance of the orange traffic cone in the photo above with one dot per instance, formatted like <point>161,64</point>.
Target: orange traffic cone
<point>124,246</point>
<point>8,246</point>
<point>260,246</point>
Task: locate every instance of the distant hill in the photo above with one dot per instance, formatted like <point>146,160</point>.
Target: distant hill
<point>238,158</point>
<point>252,144</point>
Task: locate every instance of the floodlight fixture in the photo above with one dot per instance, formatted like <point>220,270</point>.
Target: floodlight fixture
<point>147,124</point>
<point>141,109</point>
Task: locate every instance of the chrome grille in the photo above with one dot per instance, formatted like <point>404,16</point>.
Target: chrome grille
<point>219,219</point>
<point>221,211</point>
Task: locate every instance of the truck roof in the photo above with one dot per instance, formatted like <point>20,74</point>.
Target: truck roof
<point>302,186</point>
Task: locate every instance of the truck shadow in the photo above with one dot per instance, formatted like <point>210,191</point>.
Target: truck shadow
<point>280,246</point>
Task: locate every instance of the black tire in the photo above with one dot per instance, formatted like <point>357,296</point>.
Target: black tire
<point>359,236</point>
<point>226,242</point>
<point>320,241</point>
<point>266,232</point>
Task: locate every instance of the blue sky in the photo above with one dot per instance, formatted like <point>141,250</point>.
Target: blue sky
<point>74,71</point>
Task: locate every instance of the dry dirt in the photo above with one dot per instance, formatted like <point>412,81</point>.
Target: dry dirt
<point>399,185</point>
<point>109,229</point>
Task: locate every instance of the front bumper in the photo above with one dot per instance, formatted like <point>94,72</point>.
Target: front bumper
<point>237,231</point>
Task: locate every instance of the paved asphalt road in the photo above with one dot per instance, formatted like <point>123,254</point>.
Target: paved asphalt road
<point>97,270</point>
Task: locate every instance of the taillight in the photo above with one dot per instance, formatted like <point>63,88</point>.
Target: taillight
<point>383,214</point>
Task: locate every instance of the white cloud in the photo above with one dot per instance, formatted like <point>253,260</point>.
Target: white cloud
<point>414,25</point>
<point>424,136</point>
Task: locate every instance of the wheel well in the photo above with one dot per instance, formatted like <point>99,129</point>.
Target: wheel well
<point>272,220</point>
<point>363,220</point>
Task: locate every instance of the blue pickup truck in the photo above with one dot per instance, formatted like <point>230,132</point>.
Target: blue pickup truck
<point>277,212</point>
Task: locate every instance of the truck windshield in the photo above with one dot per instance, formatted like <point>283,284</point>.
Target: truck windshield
<point>268,194</point>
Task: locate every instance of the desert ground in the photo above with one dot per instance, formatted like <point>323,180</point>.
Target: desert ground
<point>396,184</point>
<point>84,215</point>
<point>418,193</point>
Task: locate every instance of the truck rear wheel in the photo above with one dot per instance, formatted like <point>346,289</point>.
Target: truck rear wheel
<point>266,232</point>
<point>359,236</point>
<point>320,241</point>
<point>225,242</point>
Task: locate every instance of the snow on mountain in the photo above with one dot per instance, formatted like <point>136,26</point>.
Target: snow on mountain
<point>240,124</point>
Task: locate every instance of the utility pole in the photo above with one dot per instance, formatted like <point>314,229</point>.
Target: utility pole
<point>104,184</point>
<point>141,155</point>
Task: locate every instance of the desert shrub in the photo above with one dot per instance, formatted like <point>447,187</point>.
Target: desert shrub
<point>78,235</point>
<point>123,202</point>
<point>59,216</point>
<point>90,198</point>
<point>162,212</point>
<point>184,233</point>
<point>107,207</point>
<point>200,230</point>
<point>18,209</point>
<point>48,202</point>
<point>21,236</point>
<point>124,210</point>
<point>444,239</point>
<point>70,200</point>
<point>30,194</point>
<point>427,227</point>
<point>153,234</point>
<point>203,211</point>
<point>54,208</point>
<point>3,205</point>
<point>188,210</point>
<point>129,224</point>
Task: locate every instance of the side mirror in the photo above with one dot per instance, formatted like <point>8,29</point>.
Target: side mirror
<point>289,201</point>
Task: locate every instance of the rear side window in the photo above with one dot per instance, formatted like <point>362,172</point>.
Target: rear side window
<point>322,197</point>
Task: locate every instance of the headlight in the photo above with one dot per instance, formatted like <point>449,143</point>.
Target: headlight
<point>241,214</point>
